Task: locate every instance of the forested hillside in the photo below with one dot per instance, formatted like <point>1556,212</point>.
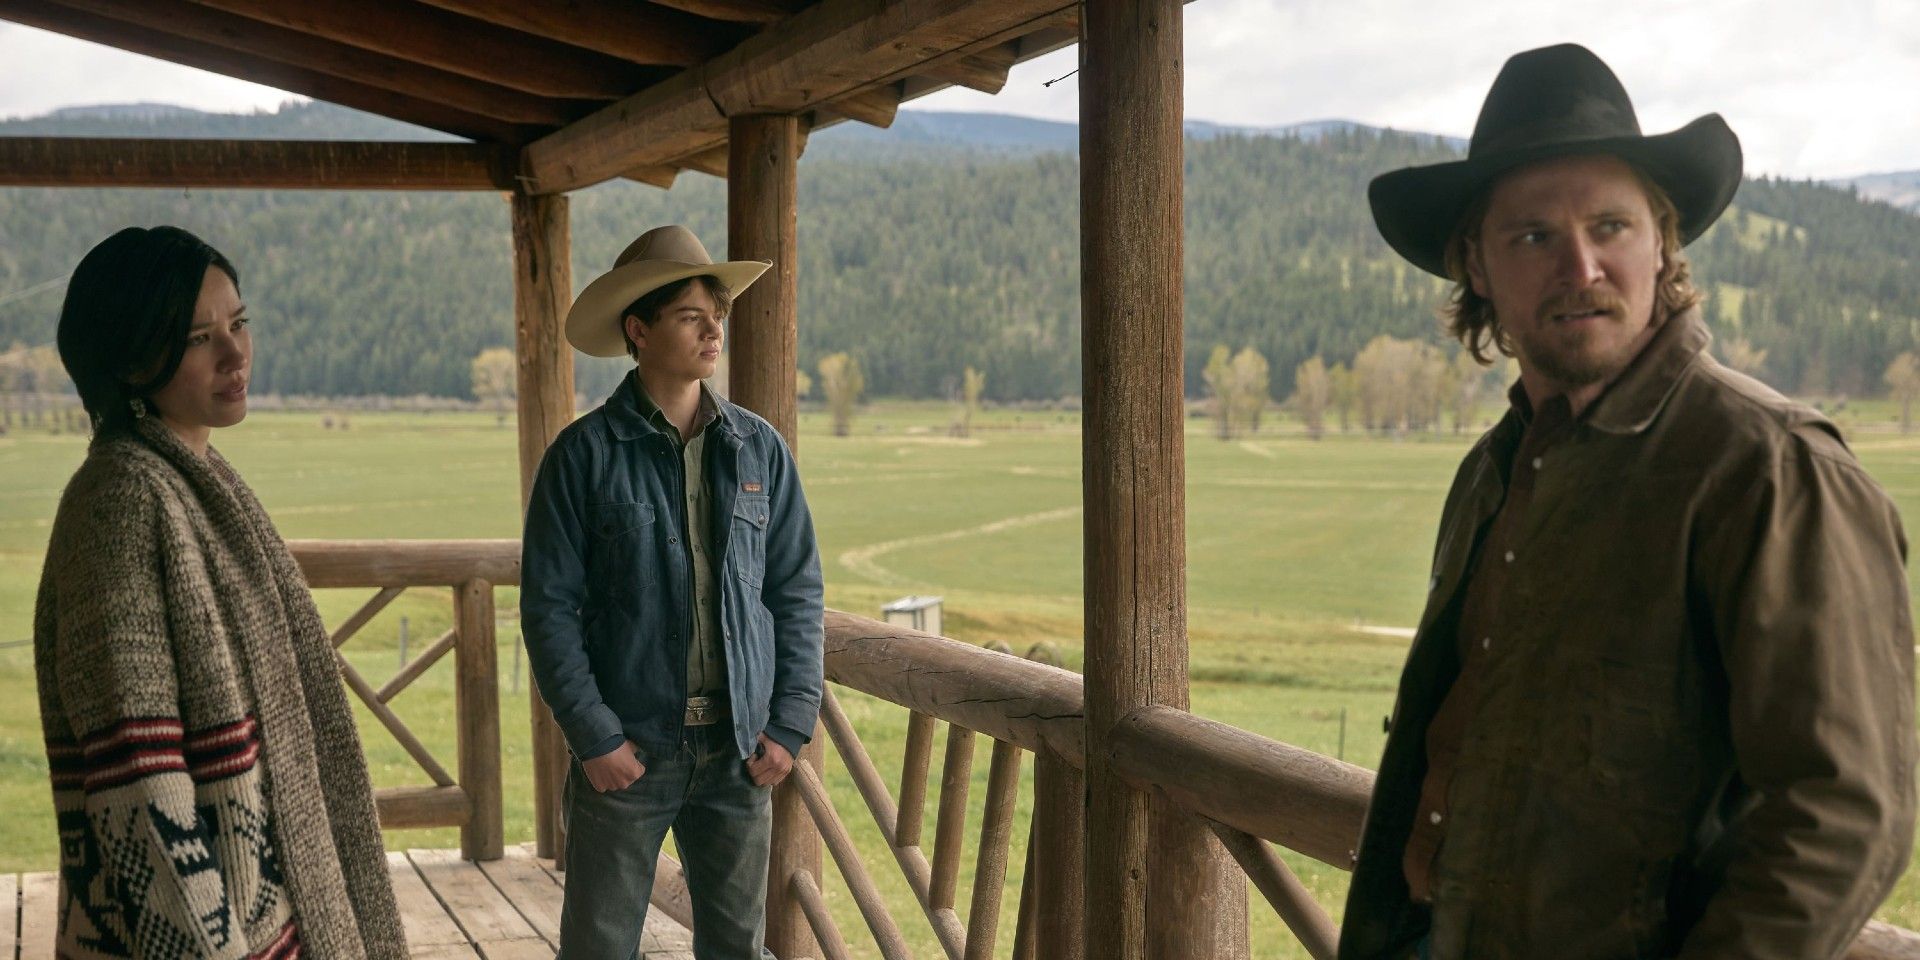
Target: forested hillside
<point>925,255</point>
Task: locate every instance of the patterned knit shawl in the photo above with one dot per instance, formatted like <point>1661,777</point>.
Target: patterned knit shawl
<point>176,643</point>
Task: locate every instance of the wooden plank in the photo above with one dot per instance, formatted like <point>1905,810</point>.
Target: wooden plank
<point>542,291</point>
<point>9,915</point>
<point>441,951</point>
<point>264,70</point>
<point>423,919</point>
<point>711,161</point>
<point>531,890</point>
<point>476,698</point>
<point>403,808</point>
<point>453,43</point>
<point>876,106</point>
<point>485,916</point>
<point>293,48</point>
<point>826,51</point>
<point>741,11</point>
<point>405,563</point>
<point>269,164</point>
<point>39,913</point>
<point>642,33</point>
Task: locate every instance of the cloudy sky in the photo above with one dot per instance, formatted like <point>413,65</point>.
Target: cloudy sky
<point>1815,88</point>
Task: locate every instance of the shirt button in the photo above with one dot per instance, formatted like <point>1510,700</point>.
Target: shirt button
<point>1538,462</point>
<point>1434,818</point>
<point>1509,556</point>
<point>1486,643</point>
<point>677,540</point>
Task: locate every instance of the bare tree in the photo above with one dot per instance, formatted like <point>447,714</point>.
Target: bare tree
<point>842,381</point>
<point>973,383</point>
<point>495,380</point>
<point>1252,389</point>
<point>1742,355</point>
<point>1903,379</point>
<point>1312,390</point>
<point>1219,377</point>
<point>1343,393</point>
<point>802,385</point>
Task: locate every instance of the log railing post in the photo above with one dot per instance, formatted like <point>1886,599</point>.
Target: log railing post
<point>542,291</point>
<point>1059,859</point>
<point>762,197</point>
<point>1154,877</point>
<point>476,698</point>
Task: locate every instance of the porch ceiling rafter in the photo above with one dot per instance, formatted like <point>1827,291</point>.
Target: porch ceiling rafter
<point>270,164</point>
<point>640,32</point>
<point>821,54</point>
<point>454,43</point>
<point>192,21</point>
<point>45,15</point>
<point>739,11</point>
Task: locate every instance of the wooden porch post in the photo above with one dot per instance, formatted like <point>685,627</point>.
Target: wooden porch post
<point>542,291</point>
<point>1154,887</point>
<point>762,190</point>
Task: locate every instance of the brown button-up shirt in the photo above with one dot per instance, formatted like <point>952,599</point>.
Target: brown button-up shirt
<point>706,658</point>
<point>1484,594</point>
<point>1692,732</point>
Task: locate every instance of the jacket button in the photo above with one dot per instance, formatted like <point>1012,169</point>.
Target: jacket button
<point>673,540</point>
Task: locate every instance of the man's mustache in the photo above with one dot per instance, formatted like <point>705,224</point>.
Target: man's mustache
<point>1581,301</point>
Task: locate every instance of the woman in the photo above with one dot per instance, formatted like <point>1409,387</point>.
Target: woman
<point>210,791</point>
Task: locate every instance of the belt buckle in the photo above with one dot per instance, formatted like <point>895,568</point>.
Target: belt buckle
<point>701,711</point>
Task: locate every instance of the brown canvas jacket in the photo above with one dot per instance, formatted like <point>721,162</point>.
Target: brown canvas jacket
<point>1697,736</point>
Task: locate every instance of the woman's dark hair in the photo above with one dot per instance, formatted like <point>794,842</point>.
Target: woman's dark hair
<point>123,328</point>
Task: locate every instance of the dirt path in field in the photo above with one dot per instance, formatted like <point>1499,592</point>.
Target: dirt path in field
<point>862,561</point>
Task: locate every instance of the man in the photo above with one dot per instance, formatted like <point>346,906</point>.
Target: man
<point>1661,700</point>
<point>670,598</point>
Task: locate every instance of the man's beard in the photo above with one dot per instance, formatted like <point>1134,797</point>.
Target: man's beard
<point>1566,358</point>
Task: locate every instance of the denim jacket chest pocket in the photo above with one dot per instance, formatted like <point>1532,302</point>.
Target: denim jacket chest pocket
<point>623,558</point>
<point>749,537</point>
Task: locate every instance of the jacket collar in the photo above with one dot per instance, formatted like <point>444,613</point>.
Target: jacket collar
<point>1634,400</point>
<point>628,419</point>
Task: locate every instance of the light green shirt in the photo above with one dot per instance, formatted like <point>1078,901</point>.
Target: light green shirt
<point>706,658</point>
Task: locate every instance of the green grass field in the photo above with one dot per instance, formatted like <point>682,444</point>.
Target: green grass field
<point>1293,544</point>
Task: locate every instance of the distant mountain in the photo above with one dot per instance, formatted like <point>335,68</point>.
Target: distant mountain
<point>293,120</point>
<point>1003,133</point>
<point>1899,189</point>
<point>949,241</point>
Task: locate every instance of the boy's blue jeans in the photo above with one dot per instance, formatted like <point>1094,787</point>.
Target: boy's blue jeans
<point>722,825</point>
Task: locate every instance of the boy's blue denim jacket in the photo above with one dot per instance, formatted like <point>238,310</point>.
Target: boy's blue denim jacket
<point>606,595</point>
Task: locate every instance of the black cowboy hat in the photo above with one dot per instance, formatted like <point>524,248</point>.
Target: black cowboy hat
<point>1554,102</point>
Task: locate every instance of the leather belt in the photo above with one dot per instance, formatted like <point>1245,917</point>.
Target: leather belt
<point>705,711</point>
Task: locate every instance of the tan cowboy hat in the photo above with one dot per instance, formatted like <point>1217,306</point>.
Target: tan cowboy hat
<point>659,257</point>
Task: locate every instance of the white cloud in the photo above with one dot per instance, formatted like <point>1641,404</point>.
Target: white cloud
<point>1813,88</point>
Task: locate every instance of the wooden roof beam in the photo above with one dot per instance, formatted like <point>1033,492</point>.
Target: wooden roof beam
<point>320,86</point>
<point>712,162</point>
<point>826,51</point>
<point>739,11</point>
<point>273,164</point>
<point>661,176</point>
<point>194,22</point>
<point>877,106</point>
<point>975,72</point>
<point>451,42</point>
<point>639,32</point>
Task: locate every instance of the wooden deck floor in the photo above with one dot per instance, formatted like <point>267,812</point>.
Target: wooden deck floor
<point>507,909</point>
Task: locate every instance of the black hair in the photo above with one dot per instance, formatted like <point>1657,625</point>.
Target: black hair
<point>648,307</point>
<point>129,307</point>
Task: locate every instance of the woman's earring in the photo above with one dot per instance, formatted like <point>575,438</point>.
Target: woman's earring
<point>139,408</point>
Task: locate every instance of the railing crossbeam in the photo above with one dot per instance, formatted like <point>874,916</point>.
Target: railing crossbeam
<point>996,833</point>
<point>913,862</point>
<point>1289,897</point>
<point>415,749</point>
<point>365,614</point>
<point>886,933</point>
<point>419,665</point>
<point>956,780</point>
<point>815,907</point>
<point>913,779</point>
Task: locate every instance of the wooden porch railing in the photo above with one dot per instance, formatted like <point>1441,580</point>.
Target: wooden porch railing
<point>1250,791</point>
<point>472,568</point>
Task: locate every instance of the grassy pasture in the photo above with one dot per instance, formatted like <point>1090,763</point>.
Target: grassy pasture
<point>1292,545</point>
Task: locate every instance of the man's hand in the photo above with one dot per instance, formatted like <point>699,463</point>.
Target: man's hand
<point>770,764</point>
<point>616,769</point>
